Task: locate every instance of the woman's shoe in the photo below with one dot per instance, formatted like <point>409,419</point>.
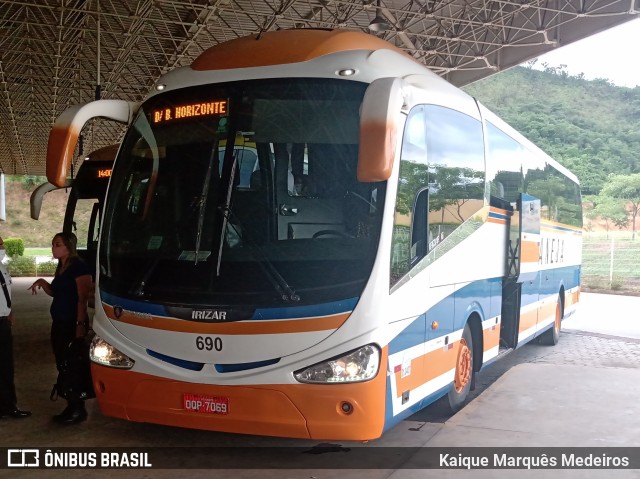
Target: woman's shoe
<point>64,414</point>
<point>74,417</point>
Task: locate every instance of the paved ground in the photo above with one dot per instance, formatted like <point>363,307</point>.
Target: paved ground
<point>582,392</point>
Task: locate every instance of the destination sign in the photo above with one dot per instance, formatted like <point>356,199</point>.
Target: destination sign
<point>178,112</point>
<point>103,173</point>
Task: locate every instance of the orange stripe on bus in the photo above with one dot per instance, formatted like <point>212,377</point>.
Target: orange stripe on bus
<point>289,410</point>
<point>491,337</point>
<point>427,367</point>
<point>547,311</point>
<point>572,298</point>
<point>528,320</point>
<point>238,327</point>
<point>530,252</point>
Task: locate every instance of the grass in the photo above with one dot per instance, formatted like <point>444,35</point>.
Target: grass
<point>597,256</point>
<point>37,252</point>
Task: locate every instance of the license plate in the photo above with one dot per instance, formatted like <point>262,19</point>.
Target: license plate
<point>206,404</point>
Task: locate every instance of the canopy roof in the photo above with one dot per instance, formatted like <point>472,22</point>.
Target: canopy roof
<point>54,53</point>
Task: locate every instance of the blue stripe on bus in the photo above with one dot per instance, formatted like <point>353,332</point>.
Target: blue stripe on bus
<point>312,310</point>
<point>565,229</point>
<point>235,367</point>
<point>500,216</point>
<point>293,312</point>
<point>481,297</point>
<point>182,363</point>
<point>548,283</point>
<point>133,305</point>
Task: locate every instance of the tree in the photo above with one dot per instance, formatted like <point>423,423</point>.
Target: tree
<point>610,210</point>
<point>454,187</point>
<point>625,187</point>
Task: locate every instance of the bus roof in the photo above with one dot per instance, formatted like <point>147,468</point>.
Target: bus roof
<point>286,46</point>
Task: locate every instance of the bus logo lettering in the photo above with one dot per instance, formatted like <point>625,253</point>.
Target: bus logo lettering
<point>209,314</point>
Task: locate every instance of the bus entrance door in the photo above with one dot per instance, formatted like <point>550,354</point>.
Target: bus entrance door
<point>521,269</point>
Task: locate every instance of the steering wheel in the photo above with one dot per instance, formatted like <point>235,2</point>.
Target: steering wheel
<point>317,234</point>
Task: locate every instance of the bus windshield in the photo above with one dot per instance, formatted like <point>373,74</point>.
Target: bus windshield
<point>242,193</point>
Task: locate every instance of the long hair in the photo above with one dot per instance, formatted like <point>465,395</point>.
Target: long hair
<point>71,242</point>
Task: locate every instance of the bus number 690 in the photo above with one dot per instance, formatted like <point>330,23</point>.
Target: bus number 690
<point>208,343</point>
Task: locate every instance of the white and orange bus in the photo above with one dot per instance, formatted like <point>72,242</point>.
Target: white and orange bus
<point>384,238</point>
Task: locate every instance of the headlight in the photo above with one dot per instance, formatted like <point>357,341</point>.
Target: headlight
<point>356,366</point>
<point>101,352</point>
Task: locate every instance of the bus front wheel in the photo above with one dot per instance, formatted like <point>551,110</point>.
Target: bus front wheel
<point>464,371</point>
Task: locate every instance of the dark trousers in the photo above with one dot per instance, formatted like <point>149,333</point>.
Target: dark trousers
<point>7,386</point>
<point>61,336</point>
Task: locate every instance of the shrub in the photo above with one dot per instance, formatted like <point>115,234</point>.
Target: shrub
<point>14,247</point>
<point>22,266</point>
<point>617,283</point>
<point>47,268</point>
<point>31,181</point>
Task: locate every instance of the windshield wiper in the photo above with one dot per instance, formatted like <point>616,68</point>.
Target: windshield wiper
<point>286,292</point>
<point>139,291</point>
<point>197,202</point>
<point>203,203</point>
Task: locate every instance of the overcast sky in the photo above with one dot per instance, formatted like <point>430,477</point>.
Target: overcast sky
<point>613,54</point>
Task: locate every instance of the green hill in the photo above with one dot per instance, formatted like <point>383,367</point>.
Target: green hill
<point>589,126</point>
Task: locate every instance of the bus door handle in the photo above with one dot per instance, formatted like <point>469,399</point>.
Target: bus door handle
<point>286,210</point>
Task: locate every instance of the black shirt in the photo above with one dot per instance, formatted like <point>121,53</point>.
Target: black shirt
<point>64,307</point>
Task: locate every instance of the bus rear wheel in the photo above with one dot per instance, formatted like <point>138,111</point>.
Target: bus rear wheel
<point>464,371</point>
<point>551,336</point>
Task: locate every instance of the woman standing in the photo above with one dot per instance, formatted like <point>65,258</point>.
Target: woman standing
<point>70,289</point>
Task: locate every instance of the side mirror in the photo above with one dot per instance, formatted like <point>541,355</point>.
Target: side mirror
<point>379,120</point>
<point>67,127</point>
<point>38,194</point>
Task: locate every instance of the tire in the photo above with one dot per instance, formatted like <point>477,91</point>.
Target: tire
<point>463,377</point>
<point>551,336</point>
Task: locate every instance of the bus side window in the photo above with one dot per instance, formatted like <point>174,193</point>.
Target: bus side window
<point>441,182</point>
<point>413,178</point>
<point>455,147</point>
